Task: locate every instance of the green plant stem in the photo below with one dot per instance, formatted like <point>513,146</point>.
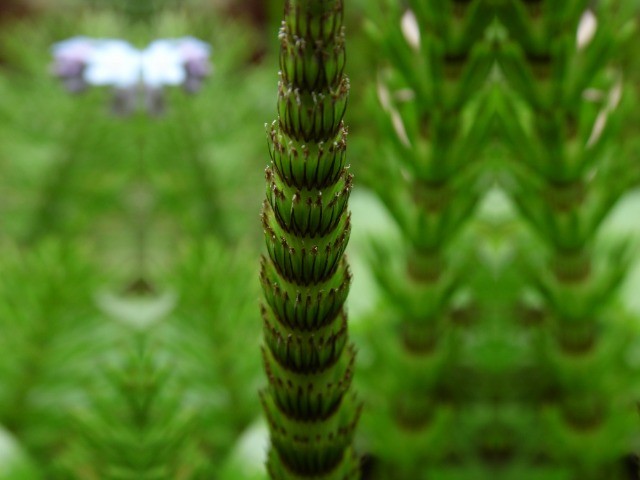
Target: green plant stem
<point>309,361</point>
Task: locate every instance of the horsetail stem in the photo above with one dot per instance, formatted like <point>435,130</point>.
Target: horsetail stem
<point>308,359</point>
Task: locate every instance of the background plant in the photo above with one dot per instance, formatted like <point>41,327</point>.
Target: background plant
<point>565,174</point>
<point>435,117</point>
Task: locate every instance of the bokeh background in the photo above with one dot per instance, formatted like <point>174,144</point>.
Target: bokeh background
<point>129,247</point>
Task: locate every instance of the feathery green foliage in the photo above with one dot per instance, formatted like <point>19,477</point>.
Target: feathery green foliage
<point>435,118</point>
<point>91,202</point>
<point>308,359</point>
<point>449,70</point>
<point>569,170</point>
<point>134,426</point>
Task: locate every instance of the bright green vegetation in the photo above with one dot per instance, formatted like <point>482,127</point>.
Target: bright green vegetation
<point>491,229</point>
<point>309,361</point>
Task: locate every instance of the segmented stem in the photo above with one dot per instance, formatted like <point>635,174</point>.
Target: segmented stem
<point>305,278</point>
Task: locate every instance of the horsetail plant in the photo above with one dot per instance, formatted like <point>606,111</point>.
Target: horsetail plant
<point>562,120</point>
<point>311,411</point>
<point>435,119</point>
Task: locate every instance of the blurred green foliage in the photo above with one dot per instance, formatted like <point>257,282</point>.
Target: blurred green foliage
<point>129,321</point>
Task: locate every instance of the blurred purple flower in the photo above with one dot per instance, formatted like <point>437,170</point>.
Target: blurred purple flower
<point>81,61</point>
<point>162,64</point>
<point>113,63</point>
<point>195,55</point>
<point>70,59</point>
